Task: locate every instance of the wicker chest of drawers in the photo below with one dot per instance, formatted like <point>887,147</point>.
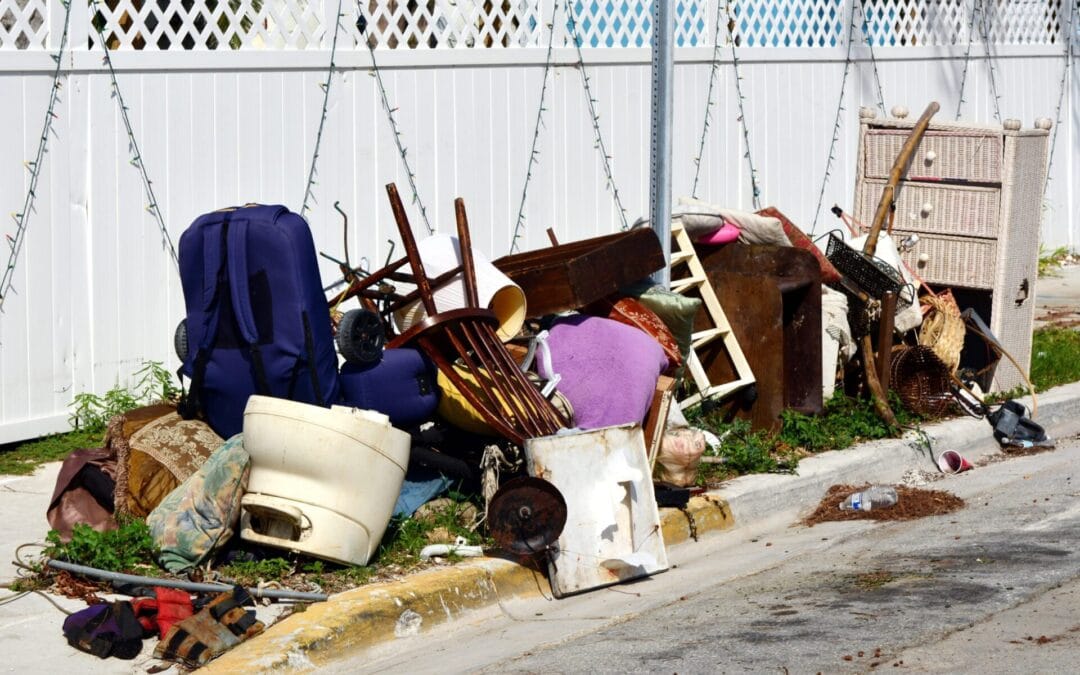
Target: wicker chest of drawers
<point>973,195</point>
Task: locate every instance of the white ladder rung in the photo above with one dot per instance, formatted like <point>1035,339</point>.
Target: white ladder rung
<point>706,336</point>
<point>687,282</point>
<point>678,257</point>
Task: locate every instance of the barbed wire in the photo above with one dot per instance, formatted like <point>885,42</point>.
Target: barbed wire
<point>403,152</point>
<point>967,56</point>
<point>540,109</point>
<point>133,145</point>
<point>308,190</point>
<point>22,218</point>
<point>991,69</point>
<point>756,191</point>
<point>595,117</point>
<point>836,122</point>
<point>714,72</point>
<point>1065,70</point>
<point>865,29</point>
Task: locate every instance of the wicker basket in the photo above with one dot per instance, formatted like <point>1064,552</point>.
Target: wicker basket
<point>922,380</point>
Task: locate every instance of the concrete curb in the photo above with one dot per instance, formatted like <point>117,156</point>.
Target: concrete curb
<point>366,616</point>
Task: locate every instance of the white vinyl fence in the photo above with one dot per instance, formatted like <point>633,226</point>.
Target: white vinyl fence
<point>224,100</point>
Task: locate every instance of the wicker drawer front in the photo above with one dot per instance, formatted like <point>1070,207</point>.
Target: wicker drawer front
<point>953,261</point>
<point>937,209</point>
<point>958,155</point>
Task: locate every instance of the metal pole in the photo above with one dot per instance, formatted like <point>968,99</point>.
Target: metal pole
<point>663,77</point>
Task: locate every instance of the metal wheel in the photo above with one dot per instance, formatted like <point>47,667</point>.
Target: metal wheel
<point>360,336</point>
<point>180,340</point>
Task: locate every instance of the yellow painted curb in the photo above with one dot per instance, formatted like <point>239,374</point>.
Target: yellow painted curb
<point>703,514</point>
<point>372,614</point>
<point>366,616</point>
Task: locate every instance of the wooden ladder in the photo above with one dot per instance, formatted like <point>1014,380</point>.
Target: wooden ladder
<point>699,280</point>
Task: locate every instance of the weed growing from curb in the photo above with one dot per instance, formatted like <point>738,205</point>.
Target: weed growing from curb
<point>845,421</point>
<point>129,547</point>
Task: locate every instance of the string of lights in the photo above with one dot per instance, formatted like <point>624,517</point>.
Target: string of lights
<point>403,152</point>
<point>34,166</point>
<point>865,28</point>
<point>967,57</point>
<point>1070,31</point>
<point>984,31</point>
<point>533,152</point>
<point>836,122</point>
<point>309,189</point>
<point>591,100</point>
<point>755,189</point>
<point>133,145</point>
<point>714,72</point>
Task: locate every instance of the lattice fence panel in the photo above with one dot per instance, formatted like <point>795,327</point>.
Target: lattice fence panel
<point>23,24</point>
<point>1027,22</point>
<point>210,24</point>
<point>500,24</point>
<point>788,23</point>
<point>450,24</point>
<point>917,23</point>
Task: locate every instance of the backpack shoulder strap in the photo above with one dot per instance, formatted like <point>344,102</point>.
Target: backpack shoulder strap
<point>241,295</point>
<point>214,281</point>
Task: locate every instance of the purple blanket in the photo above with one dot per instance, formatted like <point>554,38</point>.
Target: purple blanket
<point>608,369</point>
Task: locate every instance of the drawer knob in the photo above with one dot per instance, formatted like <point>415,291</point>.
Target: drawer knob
<point>930,157</point>
<point>926,209</point>
<point>923,259</point>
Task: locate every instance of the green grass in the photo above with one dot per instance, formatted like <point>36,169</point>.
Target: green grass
<point>89,416</point>
<point>845,421</point>
<point>1055,357</point>
<point>1050,261</point>
<point>405,537</point>
<point>127,548</point>
<point>252,573</point>
<point>25,458</point>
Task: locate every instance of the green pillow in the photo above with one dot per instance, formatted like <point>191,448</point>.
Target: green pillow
<point>675,310</point>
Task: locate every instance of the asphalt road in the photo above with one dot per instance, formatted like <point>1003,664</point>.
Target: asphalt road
<point>992,587</point>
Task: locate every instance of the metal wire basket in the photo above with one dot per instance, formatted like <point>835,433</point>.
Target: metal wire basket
<point>873,275</point>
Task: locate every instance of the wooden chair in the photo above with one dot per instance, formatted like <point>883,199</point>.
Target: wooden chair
<point>464,340</point>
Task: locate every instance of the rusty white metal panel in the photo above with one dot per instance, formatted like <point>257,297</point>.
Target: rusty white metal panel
<point>612,531</point>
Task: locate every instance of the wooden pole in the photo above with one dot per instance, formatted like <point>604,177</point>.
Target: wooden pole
<point>885,338</point>
<point>888,196</point>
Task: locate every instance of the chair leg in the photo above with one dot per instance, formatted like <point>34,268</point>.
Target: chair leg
<point>411,252</point>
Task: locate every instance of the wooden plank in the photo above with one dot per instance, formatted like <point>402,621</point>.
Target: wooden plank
<point>573,275</point>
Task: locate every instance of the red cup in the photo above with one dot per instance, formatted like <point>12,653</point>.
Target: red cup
<point>952,461</point>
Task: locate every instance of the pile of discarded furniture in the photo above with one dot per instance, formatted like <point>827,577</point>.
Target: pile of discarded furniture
<point>551,382</point>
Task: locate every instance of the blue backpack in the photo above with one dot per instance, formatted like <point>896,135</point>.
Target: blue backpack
<point>257,319</point>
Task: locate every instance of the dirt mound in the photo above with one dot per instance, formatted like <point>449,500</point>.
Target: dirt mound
<point>911,503</point>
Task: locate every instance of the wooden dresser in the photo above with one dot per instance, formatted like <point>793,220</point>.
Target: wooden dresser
<point>973,195</point>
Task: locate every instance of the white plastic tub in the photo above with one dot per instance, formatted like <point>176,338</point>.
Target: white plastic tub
<point>323,481</point>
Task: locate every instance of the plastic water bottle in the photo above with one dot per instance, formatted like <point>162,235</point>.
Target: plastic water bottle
<point>874,497</point>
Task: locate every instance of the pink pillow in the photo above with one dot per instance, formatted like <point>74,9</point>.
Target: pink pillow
<point>725,235</point>
<point>609,369</point>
